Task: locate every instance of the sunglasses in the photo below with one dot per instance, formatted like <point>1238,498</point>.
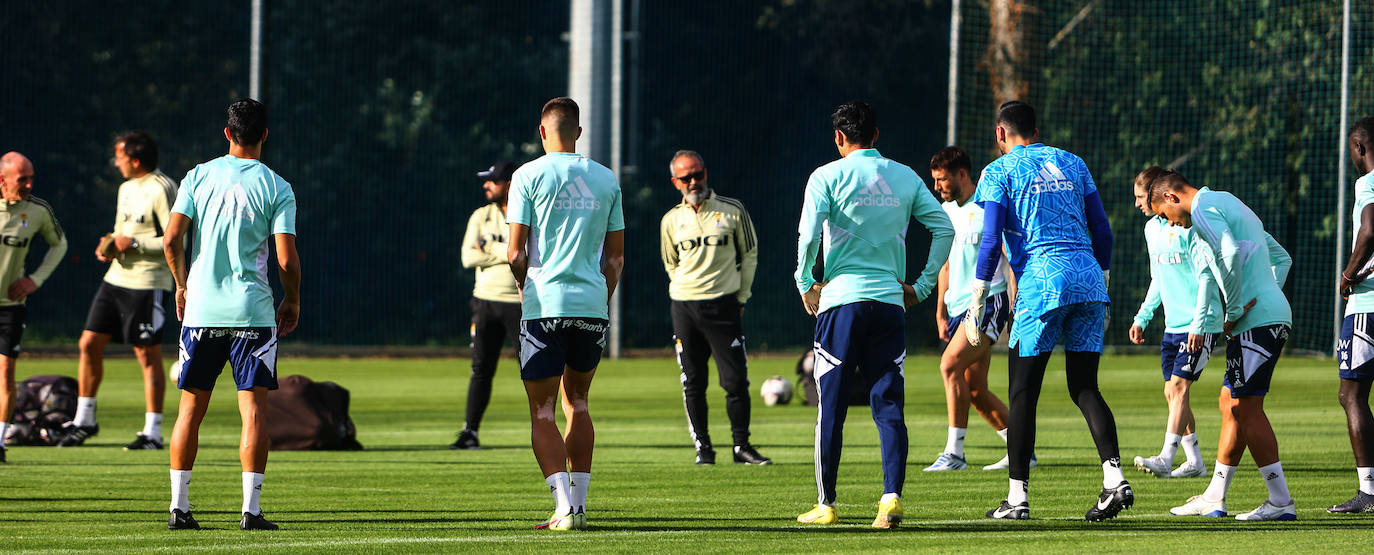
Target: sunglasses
<point>698,175</point>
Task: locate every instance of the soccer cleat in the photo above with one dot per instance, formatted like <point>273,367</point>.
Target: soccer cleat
<point>556,522</point>
<point>1006,511</point>
<point>889,514</point>
<point>746,454</point>
<point>1005,463</point>
<point>1154,465</point>
<point>821,514</point>
<point>579,520</point>
<point>143,442</point>
<point>255,522</point>
<point>1361,503</point>
<point>2,453</point>
<point>706,455</point>
<point>947,461</point>
<point>1197,506</point>
<point>182,521</point>
<point>1189,470</point>
<point>73,435</point>
<point>1270,511</point>
<point>1111,502</point>
<point>467,439</point>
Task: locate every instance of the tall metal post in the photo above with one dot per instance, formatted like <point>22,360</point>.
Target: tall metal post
<point>255,52</point>
<point>1341,155</point>
<point>951,126</point>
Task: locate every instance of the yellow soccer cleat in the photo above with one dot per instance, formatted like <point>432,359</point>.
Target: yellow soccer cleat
<point>579,521</point>
<point>822,514</point>
<point>889,514</point>
<point>556,522</point>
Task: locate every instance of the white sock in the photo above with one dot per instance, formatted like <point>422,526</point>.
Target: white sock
<point>1003,433</point>
<point>1018,492</point>
<point>1221,482</point>
<point>4,427</point>
<point>559,484</point>
<point>1111,473</point>
<point>181,485</point>
<point>889,496</point>
<point>954,442</point>
<point>580,481</point>
<point>1366,474</point>
<point>85,412</point>
<point>152,425</point>
<point>1277,484</point>
<point>1170,447</point>
<point>1191,449</point>
<point>252,490</point>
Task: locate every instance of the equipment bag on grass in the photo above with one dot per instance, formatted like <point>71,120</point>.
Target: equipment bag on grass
<point>303,414</point>
<point>41,405</point>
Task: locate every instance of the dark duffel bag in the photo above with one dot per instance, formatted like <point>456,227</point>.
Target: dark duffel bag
<point>41,405</point>
<point>307,415</point>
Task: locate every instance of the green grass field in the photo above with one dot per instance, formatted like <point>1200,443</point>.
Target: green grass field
<point>408,492</point>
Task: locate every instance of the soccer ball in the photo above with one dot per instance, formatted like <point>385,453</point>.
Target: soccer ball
<point>776,391</point>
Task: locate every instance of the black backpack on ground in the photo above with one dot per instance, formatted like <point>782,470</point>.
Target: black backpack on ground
<point>41,405</point>
<point>307,415</point>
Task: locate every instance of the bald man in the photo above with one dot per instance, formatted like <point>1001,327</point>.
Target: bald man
<point>21,217</point>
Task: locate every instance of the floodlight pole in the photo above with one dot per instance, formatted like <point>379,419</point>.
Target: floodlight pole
<point>955,19</point>
<point>255,53</point>
<point>1341,156</point>
<point>595,50</point>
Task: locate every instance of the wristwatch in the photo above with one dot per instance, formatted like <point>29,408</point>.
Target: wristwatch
<point>133,244</point>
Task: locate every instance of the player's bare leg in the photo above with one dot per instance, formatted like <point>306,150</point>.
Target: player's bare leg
<point>90,369</point>
<point>253,446</point>
<point>988,405</point>
<point>1354,397</point>
<point>154,377</point>
<point>550,450</point>
<point>6,398</point>
<point>579,439</point>
<point>959,359</point>
<point>185,442</point>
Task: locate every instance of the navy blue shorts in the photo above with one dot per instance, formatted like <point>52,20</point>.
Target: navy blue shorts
<point>1175,359</point>
<point>1251,358</point>
<point>252,352</point>
<point>547,345</point>
<point>1356,348</point>
<point>995,315</point>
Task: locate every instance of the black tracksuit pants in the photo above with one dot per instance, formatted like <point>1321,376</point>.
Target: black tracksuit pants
<point>492,323</point>
<point>702,329</point>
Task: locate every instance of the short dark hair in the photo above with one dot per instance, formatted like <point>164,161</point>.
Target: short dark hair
<point>1145,178</point>
<point>247,122</point>
<point>951,159</point>
<point>1018,117</point>
<point>1166,180</point>
<point>139,146</point>
<point>1363,130</point>
<point>858,121</point>
<point>565,113</point>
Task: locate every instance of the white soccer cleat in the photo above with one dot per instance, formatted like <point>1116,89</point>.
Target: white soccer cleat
<point>1269,511</point>
<point>1005,463</point>
<point>1197,506</point>
<point>1154,465</point>
<point>947,461</point>
<point>1189,470</point>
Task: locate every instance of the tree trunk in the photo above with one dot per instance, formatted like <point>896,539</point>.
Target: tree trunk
<point>1009,49</point>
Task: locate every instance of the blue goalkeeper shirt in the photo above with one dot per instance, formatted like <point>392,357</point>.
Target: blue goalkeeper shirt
<point>1043,202</point>
<point>860,206</point>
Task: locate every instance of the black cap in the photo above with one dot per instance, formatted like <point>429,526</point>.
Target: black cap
<point>500,171</point>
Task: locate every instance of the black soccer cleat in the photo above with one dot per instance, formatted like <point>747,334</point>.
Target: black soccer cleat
<point>706,455</point>
<point>1006,511</point>
<point>467,439</point>
<point>182,521</point>
<point>1361,503</point>
<point>141,442</point>
<point>2,453</point>
<point>746,454</point>
<point>255,522</point>
<point>1111,502</point>
<point>73,435</point>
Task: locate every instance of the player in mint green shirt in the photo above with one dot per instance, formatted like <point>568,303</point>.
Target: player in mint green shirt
<point>1257,323</point>
<point>1356,345</point>
<point>231,207</point>
<point>859,206</point>
<point>567,245</point>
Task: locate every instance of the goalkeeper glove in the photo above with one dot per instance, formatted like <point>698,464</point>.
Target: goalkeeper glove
<point>973,319</point>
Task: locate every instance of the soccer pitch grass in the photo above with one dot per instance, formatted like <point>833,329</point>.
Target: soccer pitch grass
<point>408,492</point>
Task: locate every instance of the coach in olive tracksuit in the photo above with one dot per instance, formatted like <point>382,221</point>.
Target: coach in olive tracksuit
<point>710,252</point>
<point>495,299</point>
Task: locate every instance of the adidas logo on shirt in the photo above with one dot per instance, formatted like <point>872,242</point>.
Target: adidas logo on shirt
<point>1050,180</point>
<point>576,196</point>
<point>877,193</point>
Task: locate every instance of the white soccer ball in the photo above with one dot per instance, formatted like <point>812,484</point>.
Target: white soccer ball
<point>776,391</point>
